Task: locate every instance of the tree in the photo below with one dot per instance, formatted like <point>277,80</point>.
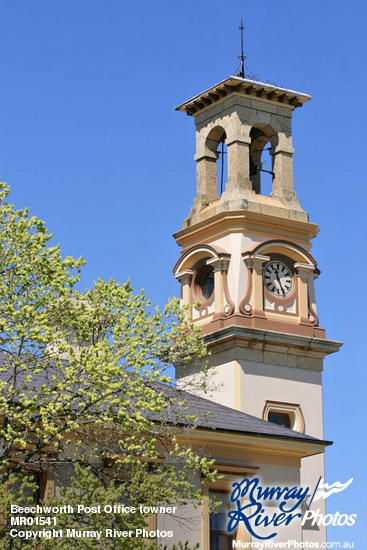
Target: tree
<point>85,396</point>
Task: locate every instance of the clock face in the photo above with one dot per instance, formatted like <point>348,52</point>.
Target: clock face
<point>278,278</point>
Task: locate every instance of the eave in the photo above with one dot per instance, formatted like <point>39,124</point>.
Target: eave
<point>258,443</point>
<point>235,84</point>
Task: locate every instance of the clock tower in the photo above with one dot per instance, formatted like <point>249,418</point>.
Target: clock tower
<point>246,268</point>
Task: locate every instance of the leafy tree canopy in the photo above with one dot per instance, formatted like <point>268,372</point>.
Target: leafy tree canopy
<point>86,413</point>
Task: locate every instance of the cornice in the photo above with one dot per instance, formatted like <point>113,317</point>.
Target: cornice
<point>241,221</point>
<point>259,91</point>
<point>259,339</point>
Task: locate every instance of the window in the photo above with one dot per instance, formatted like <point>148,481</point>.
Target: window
<point>215,534</point>
<point>282,419</point>
<point>204,283</point>
<point>220,539</point>
<point>288,415</point>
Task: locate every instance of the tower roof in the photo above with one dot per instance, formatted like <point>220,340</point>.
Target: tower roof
<point>236,84</point>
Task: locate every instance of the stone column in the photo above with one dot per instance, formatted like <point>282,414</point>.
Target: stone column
<point>283,173</point>
<point>239,164</point>
<point>206,179</point>
<point>220,265</point>
<point>283,189</point>
<point>184,277</point>
<point>303,271</point>
<point>256,263</point>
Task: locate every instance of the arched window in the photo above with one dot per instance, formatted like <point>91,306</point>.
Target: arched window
<point>204,282</point>
<point>263,139</point>
<point>215,144</point>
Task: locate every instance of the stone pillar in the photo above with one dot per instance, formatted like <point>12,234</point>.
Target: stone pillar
<point>303,271</point>
<point>283,173</point>
<point>283,189</point>
<point>255,262</point>
<point>206,179</point>
<point>220,265</point>
<point>184,277</point>
<point>239,164</point>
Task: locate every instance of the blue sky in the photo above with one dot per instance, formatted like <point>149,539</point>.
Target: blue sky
<point>91,143</point>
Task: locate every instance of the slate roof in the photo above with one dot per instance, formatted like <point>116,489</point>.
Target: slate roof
<point>213,416</point>
<point>209,415</point>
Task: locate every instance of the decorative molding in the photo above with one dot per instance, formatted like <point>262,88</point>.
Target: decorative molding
<point>258,321</point>
<point>230,468</point>
<point>229,307</point>
<point>289,249</point>
<point>199,252</point>
<point>254,260</point>
<point>219,264</point>
<point>184,277</point>
<point>312,317</point>
<point>237,331</point>
<point>244,305</point>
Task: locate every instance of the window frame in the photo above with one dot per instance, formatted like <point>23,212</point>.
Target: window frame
<point>293,410</point>
<point>230,473</point>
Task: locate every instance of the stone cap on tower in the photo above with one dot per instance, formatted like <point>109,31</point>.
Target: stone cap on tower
<point>235,84</point>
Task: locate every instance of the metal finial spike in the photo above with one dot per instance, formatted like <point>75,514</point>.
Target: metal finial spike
<point>241,71</point>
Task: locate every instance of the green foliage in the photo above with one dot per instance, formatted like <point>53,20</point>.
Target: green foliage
<point>84,392</point>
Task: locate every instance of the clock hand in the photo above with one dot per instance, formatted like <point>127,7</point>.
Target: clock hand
<point>278,279</point>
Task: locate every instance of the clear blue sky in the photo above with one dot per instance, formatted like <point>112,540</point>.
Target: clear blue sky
<point>90,142</point>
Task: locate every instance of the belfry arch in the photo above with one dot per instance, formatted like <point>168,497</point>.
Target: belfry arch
<point>263,138</point>
<point>215,144</point>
